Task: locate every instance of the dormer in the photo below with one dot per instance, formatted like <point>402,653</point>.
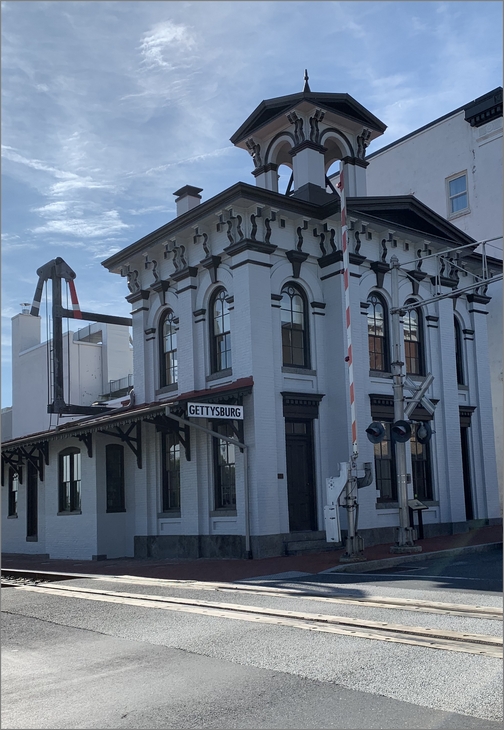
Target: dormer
<point>308,132</point>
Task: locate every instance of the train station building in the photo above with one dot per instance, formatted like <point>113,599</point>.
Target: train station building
<point>241,408</point>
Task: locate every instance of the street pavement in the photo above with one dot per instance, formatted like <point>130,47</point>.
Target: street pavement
<point>75,663</point>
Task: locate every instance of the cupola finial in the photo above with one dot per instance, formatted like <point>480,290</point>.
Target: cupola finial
<point>306,84</point>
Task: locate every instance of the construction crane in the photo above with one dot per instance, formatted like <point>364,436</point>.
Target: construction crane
<point>56,270</point>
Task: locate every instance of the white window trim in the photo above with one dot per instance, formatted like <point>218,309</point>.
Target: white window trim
<point>465,210</point>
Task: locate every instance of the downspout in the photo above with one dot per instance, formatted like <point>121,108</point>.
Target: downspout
<point>240,445</point>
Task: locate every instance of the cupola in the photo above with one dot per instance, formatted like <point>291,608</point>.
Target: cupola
<point>308,132</point>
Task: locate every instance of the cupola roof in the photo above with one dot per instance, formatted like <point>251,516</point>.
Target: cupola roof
<point>343,105</point>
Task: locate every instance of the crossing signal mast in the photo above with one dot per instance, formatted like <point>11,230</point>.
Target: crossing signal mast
<point>345,485</point>
<point>56,270</point>
<point>401,428</point>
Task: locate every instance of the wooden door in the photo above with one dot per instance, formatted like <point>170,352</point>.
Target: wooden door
<point>300,476</point>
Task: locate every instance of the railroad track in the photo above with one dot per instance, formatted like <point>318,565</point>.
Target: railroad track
<point>480,644</point>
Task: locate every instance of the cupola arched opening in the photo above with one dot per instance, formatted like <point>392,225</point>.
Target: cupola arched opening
<point>336,145</point>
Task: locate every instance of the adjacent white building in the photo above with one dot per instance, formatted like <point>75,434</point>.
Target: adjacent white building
<point>454,165</point>
<point>240,301</point>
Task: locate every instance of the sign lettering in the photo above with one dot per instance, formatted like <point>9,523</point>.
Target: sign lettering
<point>209,410</point>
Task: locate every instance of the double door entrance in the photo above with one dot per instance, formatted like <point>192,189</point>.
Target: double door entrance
<point>300,475</point>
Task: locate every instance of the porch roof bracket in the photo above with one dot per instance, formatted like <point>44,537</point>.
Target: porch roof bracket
<point>169,425</point>
<point>87,440</point>
<point>36,459</point>
<point>134,442</point>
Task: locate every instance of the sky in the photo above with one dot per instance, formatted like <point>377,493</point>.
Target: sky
<point>108,108</point>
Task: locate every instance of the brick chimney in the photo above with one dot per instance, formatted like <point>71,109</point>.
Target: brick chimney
<point>188,197</point>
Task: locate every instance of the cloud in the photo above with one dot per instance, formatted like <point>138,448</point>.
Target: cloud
<point>165,38</point>
<point>85,227</point>
<point>10,153</point>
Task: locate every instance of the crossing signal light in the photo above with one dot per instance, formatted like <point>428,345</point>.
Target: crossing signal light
<point>423,432</point>
<point>401,431</point>
<point>375,432</point>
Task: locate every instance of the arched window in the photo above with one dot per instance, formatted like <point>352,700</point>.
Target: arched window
<point>378,333</point>
<point>459,352</point>
<point>69,480</point>
<point>295,342</point>
<point>220,331</point>
<point>168,349</point>
<point>413,341</point>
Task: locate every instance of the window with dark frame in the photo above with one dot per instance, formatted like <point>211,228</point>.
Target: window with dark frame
<point>114,469</point>
<point>421,476</point>
<point>171,471</point>
<point>385,467</point>
<point>220,332</point>
<point>459,360</point>
<point>224,467</point>
<point>168,349</point>
<point>295,342</point>
<point>13,492</point>
<point>378,333</point>
<point>413,341</point>
<point>70,480</point>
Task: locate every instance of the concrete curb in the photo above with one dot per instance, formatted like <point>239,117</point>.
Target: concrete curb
<point>364,567</point>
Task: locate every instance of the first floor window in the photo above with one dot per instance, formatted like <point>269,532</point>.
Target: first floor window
<point>385,467</point>
<point>114,468</point>
<point>420,467</point>
<point>171,471</point>
<point>70,480</point>
<point>224,468</point>
<point>13,492</point>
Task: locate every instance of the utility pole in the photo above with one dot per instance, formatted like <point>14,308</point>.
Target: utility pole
<point>406,536</point>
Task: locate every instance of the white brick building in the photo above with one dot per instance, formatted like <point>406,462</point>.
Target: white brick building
<point>454,165</point>
<point>240,301</point>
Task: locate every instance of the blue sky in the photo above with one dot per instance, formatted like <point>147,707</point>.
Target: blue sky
<point>109,107</point>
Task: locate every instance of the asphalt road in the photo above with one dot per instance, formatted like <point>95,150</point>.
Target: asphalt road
<point>73,663</point>
<point>469,572</point>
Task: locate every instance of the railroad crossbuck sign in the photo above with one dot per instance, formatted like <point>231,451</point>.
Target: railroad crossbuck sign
<point>210,410</point>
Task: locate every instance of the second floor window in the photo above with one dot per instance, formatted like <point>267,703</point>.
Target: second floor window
<point>220,332</point>
<point>413,342</point>
<point>168,346</point>
<point>377,333</point>
<point>457,194</point>
<point>295,349</point>
<point>459,360</point>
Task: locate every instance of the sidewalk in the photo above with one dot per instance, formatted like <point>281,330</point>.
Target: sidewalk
<point>378,556</point>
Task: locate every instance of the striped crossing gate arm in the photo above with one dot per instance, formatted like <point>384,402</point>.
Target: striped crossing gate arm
<point>346,280</point>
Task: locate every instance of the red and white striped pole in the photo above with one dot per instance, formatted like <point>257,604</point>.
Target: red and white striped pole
<point>346,281</point>
<point>354,543</point>
<point>75,302</point>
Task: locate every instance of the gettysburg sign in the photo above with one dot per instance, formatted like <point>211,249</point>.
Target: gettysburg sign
<point>208,410</point>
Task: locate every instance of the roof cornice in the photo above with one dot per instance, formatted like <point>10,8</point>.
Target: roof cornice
<point>221,200</point>
<point>374,205</point>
